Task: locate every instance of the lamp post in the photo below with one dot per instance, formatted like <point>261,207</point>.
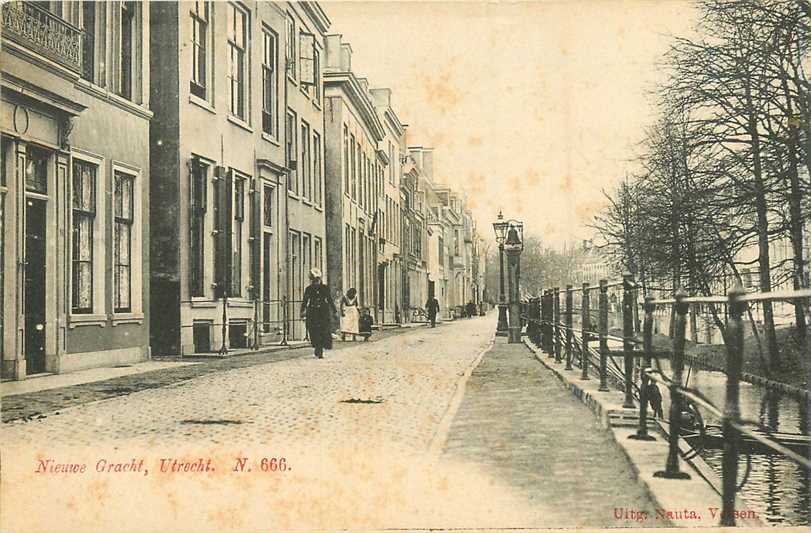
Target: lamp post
<point>513,246</point>
<point>500,229</point>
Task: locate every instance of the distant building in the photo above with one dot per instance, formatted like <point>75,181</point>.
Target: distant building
<point>355,168</point>
<point>74,186</point>
<point>390,266</point>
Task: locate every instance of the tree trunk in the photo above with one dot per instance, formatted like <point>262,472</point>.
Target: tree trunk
<point>763,234</point>
<point>796,221</point>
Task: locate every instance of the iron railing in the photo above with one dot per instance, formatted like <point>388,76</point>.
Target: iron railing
<point>552,329</point>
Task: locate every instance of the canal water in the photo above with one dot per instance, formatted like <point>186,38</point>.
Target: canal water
<point>777,488</point>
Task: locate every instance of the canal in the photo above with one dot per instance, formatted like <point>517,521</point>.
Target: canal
<point>777,488</point>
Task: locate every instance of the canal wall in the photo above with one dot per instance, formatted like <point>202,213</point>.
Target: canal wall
<point>700,493</point>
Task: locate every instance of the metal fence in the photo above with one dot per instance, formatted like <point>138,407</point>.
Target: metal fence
<point>272,322</point>
<point>553,330</point>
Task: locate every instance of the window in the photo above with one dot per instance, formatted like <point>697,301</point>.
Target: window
<point>441,251</point>
<point>197,214</point>
<point>199,74</point>
<point>122,265</point>
<point>391,163</point>
<point>306,264</point>
<point>352,166</point>
<point>236,246</point>
<point>306,61</point>
<point>317,74</point>
<point>237,44</point>
<point>127,49</point>
<point>348,256</point>
<point>36,170</point>
<point>269,83</point>
<point>317,254</point>
<point>89,42</point>
<point>84,215</point>
<point>267,212</point>
<point>304,162</point>
<point>346,159</point>
<point>290,47</point>
<point>355,168</point>
<point>317,177</point>
<point>292,182</point>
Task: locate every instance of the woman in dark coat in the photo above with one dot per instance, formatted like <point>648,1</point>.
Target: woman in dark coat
<point>318,309</point>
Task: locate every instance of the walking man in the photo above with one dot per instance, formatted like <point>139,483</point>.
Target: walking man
<point>318,309</point>
<point>432,308</point>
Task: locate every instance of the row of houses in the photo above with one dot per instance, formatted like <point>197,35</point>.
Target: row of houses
<point>592,265</point>
<point>172,171</point>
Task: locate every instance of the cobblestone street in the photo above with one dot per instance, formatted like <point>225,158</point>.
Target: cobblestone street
<point>362,432</point>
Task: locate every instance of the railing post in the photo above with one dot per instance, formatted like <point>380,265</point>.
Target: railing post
<point>647,347</point>
<point>542,324</point>
<point>734,342</point>
<point>285,322</point>
<point>537,316</point>
<point>627,334</point>
<point>677,365</point>
<point>603,335</point>
<point>569,296</point>
<point>585,319</point>
<point>544,312</point>
<point>556,319</point>
<point>550,341</point>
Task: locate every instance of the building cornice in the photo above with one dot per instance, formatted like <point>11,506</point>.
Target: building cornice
<point>317,15</point>
<point>349,84</point>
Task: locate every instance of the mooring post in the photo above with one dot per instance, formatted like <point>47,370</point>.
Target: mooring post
<point>647,347</point>
<point>556,319</point>
<point>627,335</point>
<point>734,342</point>
<point>677,366</point>
<point>569,296</point>
<point>603,335</point>
<point>585,320</point>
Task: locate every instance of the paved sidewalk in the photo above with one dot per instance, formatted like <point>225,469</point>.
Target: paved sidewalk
<point>62,394</point>
<point>525,429</point>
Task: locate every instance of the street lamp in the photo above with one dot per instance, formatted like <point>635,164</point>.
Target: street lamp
<point>513,246</point>
<point>500,229</point>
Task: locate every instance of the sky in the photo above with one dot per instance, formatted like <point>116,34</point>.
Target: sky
<point>531,107</point>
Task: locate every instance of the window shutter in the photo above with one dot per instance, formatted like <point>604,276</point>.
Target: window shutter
<point>307,58</point>
<point>224,259</point>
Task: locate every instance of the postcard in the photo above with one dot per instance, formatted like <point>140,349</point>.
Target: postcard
<point>404,265</point>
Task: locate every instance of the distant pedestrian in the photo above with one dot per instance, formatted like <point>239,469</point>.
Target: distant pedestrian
<point>471,309</point>
<point>349,313</point>
<point>318,309</point>
<point>432,308</point>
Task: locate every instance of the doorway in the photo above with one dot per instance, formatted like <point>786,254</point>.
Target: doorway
<point>266,251</point>
<point>35,216</point>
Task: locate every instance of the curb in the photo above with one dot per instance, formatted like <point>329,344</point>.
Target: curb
<point>616,420</point>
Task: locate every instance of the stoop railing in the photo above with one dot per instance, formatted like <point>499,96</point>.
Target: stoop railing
<point>552,329</point>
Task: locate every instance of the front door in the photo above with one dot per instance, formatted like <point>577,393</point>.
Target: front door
<point>381,290</point>
<point>35,286</point>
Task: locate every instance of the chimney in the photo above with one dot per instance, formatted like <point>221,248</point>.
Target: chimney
<point>382,97</point>
<point>428,165</point>
<point>346,57</point>
<point>365,84</point>
<point>416,154</point>
<point>333,52</point>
